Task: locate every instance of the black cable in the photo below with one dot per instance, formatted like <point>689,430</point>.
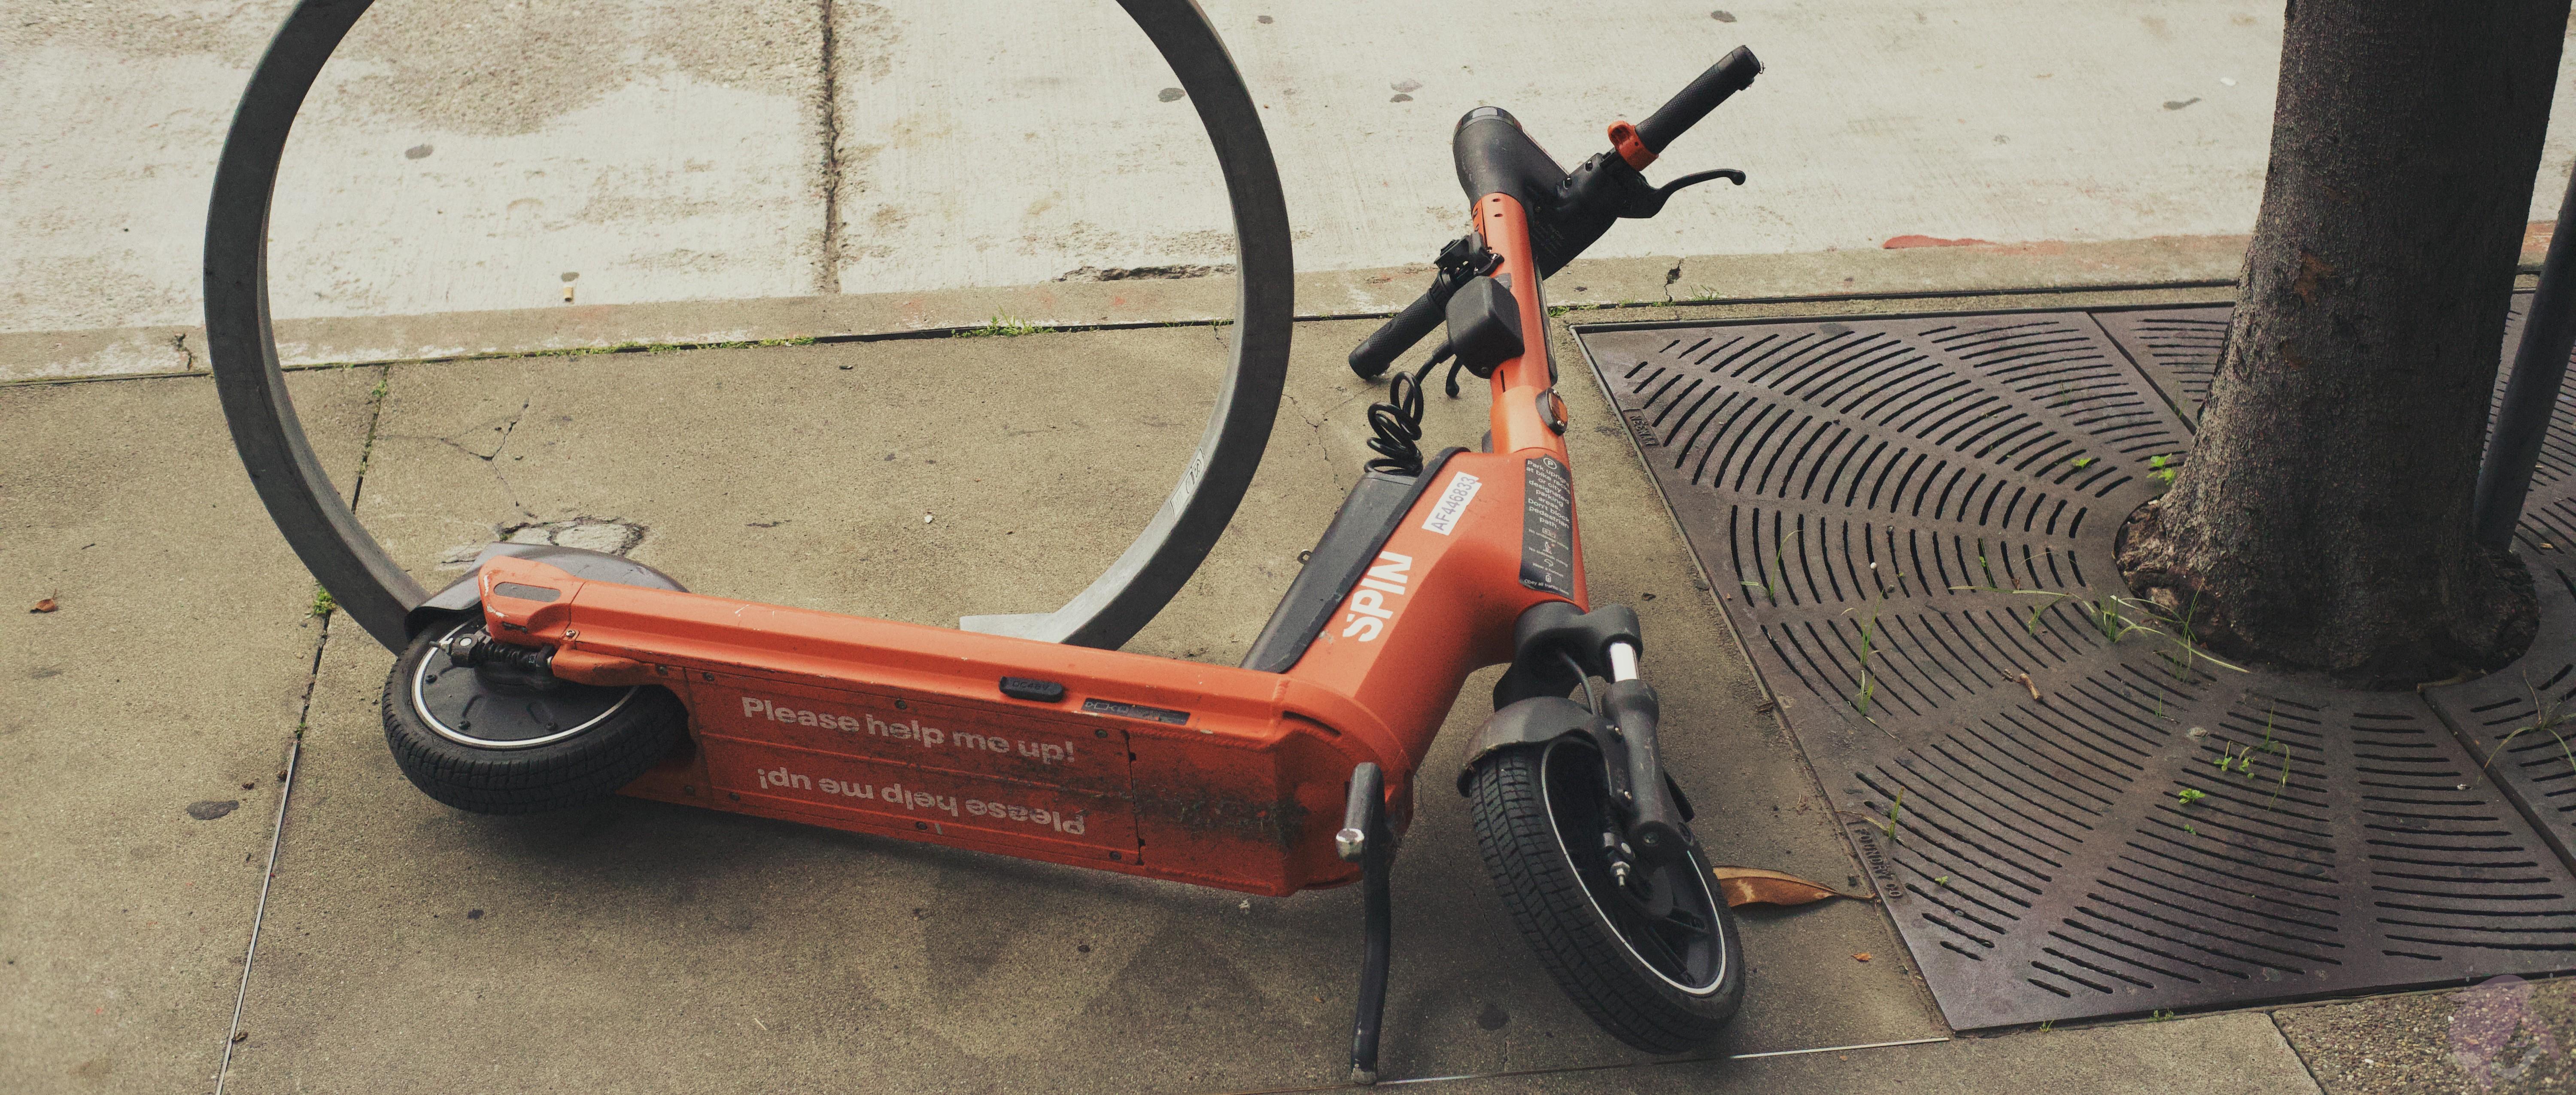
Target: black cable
<point>1590,700</point>
<point>1398,421</point>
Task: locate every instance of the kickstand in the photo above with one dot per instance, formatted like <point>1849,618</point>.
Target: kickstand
<point>1366,840</point>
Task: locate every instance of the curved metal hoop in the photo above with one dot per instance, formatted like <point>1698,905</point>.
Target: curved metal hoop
<point>365,581</point>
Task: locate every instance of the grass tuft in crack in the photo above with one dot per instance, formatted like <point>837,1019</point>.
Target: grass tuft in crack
<point>1868,686</point>
<point>2547,716</point>
<point>2110,616</point>
<point>1780,561</point>
<point>1003,325</point>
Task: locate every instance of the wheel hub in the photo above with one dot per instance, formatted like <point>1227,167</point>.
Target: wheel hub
<point>1663,913</point>
<point>501,706</point>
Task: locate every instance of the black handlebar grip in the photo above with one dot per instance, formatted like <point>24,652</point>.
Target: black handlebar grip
<point>1395,336</point>
<point>1729,75</point>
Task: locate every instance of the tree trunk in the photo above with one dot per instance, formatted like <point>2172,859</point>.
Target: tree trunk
<point>2322,520</point>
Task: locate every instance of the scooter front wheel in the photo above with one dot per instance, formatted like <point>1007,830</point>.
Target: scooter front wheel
<point>1649,952</point>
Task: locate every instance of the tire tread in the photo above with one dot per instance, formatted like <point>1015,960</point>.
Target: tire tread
<point>584,768</point>
<point>1574,943</point>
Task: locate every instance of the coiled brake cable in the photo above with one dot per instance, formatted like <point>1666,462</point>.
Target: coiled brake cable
<point>1398,421</point>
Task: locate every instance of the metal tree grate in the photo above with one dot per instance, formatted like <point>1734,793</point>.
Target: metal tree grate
<point>1913,521</point>
<point>2512,719</point>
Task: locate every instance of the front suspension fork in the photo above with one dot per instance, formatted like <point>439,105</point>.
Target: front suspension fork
<point>1558,647</point>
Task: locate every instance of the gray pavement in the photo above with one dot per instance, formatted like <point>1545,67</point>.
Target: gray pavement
<point>2240,1054</point>
<point>642,947</point>
<point>749,941</point>
<point>462,158</point>
<point>144,723</point>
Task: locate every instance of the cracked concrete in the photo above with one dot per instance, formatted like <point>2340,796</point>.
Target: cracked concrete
<point>608,535</point>
<point>601,534</point>
<point>499,436</point>
<point>826,108</point>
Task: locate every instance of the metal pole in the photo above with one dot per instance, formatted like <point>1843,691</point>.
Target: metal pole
<point>2531,393</point>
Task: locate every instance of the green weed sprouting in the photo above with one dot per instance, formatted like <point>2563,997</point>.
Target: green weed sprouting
<point>2109,615</point>
<point>1868,689</point>
<point>2239,759</point>
<point>2546,717</point>
<point>1003,325</point>
<point>1780,561</point>
<point>2183,799</point>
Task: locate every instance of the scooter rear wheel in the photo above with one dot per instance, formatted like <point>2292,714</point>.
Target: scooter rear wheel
<point>1654,958</point>
<point>495,742</point>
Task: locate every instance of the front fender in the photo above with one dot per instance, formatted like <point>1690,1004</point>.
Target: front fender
<point>1534,721</point>
<point>595,566</point>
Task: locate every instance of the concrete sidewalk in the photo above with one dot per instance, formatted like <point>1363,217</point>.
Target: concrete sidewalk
<point>191,715</point>
<point>640,947</point>
<point>837,160</point>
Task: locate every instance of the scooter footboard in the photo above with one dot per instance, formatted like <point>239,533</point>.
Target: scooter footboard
<point>1197,773</point>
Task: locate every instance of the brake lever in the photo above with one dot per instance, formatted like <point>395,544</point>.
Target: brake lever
<point>1466,257</point>
<point>1647,203</point>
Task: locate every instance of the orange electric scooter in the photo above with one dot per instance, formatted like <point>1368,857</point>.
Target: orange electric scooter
<point>553,676</point>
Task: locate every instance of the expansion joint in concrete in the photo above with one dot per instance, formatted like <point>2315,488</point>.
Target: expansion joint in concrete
<point>828,274</point>
<point>2296,1053</point>
<point>233,1035</point>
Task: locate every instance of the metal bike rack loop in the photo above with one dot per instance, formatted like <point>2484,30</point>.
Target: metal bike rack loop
<point>365,581</point>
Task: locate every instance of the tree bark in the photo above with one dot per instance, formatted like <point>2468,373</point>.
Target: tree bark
<point>2322,519</point>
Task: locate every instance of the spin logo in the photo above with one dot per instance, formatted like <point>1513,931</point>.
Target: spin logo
<point>1369,609</point>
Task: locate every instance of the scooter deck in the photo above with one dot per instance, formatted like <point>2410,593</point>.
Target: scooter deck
<point>1096,758</point>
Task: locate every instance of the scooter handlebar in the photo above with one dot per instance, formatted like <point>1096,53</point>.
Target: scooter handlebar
<point>1495,156</point>
<point>1395,336</point>
<point>1731,74</point>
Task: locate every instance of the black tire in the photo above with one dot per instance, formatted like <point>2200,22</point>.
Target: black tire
<point>615,734</point>
<point>1539,811</point>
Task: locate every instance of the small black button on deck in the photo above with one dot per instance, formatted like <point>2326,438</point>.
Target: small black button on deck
<point>1024,688</point>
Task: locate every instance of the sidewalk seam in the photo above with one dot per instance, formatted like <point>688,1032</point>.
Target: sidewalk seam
<point>295,750</point>
<point>276,836</point>
<point>828,280</point>
<point>1860,301</point>
<point>2274,1017</point>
